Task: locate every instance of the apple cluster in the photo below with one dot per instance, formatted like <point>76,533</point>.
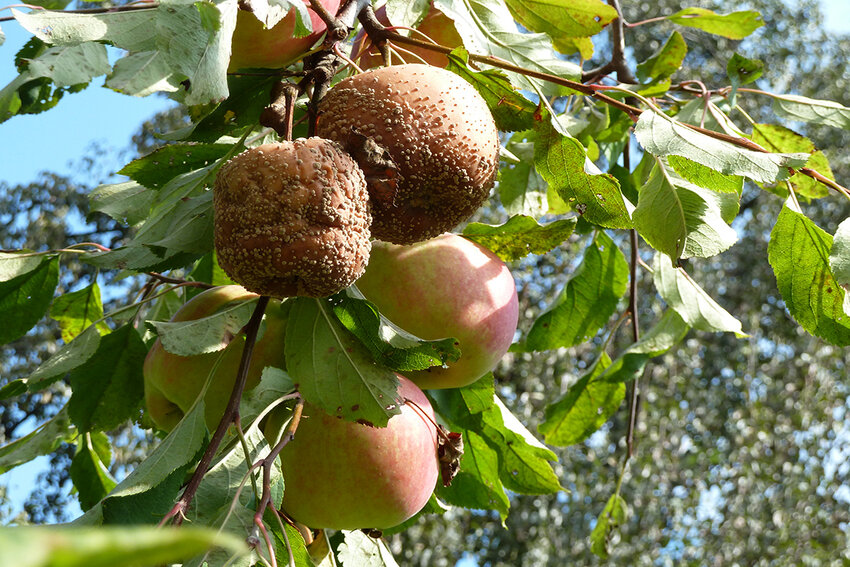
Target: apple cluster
<point>403,154</point>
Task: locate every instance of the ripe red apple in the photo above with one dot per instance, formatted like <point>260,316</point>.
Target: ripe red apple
<point>172,382</point>
<point>436,25</point>
<point>446,287</point>
<point>345,475</point>
<point>254,45</point>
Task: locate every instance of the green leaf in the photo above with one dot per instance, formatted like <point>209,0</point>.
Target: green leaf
<point>562,19</point>
<point>333,370</point>
<point>587,301</point>
<point>249,94</point>
<point>736,25</point>
<point>149,490</point>
<point>510,109</point>
<point>742,71</point>
<point>142,74</point>
<point>799,253</point>
<point>706,177</point>
<point>690,301</point>
<point>157,168</point>
<point>196,52</point>
<point>665,61</point>
<point>780,139</point>
<point>522,190</point>
<point>681,219</point>
<point>224,501</point>
<point>206,334</point>
<point>13,389</point>
<point>292,543</point>
<point>66,359</point>
<point>178,230</point>
<point>586,406</point>
<point>49,74</point>
<point>360,550</point>
<point>489,26</point>
<point>126,202</point>
<point>108,388</point>
<point>130,30</point>
<point>407,13</point>
<point>615,514</point>
<point>89,469</point>
<point>664,335</point>
<point>839,260</point>
<point>43,440</point>
<point>14,264</point>
<point>77,310</point>
<point>519,236</point>
<point>663,136</point>
<point>524,462</point>
<point>25,298</point>
<point>803,109</point>
<point>390,345</point>
<point>562,161</point>
<point>134,546</point>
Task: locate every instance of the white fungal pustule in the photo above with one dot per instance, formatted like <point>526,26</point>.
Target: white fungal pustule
<point>440,135</point>
<point>292,219</point>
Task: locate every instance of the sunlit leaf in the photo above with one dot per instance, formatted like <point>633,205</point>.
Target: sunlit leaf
<point>736,25</point>
<point>799,253</point>
<point>614,514</point>
<point>680,219</point>
<point>487,28</point>
<point>76,310</point>
<point>562,161</point>
<point>689,300</point>
<point>389,344</point>
<point>520,235</point>
<point>663,136</point>
<point>804,109</point>
<point>206,334</point>
<point>587,301</point>
<point>586,406</point>
<point>665,61</point>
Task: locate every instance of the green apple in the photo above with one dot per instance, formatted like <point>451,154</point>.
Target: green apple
<point>446,287</point>
<point>345,475</point>
<point>173,382</point>
<point>254,45</point>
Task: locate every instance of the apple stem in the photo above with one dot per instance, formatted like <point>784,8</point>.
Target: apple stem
<point>231,411</point>
<point>280,113</point>
<point>440,430</point>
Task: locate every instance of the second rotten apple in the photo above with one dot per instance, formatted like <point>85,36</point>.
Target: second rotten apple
<point>446,287</point>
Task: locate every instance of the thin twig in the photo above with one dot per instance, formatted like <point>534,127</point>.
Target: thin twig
<point>634,397</point>
<point>268,461</point>
<point>618,52</point>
